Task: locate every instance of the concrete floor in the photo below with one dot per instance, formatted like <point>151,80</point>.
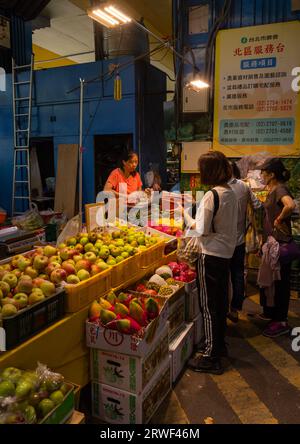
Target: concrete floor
<point>260,385</point>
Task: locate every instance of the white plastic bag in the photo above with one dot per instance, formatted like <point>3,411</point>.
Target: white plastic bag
<point>70,230</point>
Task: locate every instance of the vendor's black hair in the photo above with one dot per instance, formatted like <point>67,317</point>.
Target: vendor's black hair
<point>127,155</point>
<point>275,165</point>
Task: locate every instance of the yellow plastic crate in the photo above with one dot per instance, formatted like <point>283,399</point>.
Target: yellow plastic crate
<point>125,270</point>
<point>152,254</point>
<point>81,295</point>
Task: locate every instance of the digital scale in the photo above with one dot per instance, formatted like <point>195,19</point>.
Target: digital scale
<point>14,241</point>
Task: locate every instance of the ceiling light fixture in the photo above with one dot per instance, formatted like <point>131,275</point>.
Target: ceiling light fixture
<point>117,14</point>
<point>111,17</point>
<point>198,84</point>
<point>104,19</point>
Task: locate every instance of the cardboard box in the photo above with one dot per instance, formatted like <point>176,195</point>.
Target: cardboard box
<point>126,372</point>
<point>116,406</point>
<point>133,345</point>
<point>198,329</point>
<point>192,307</point>
<point>181,349</point>
<point>176,318</point>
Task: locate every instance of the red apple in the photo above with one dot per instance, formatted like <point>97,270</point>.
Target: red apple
<point>95,269</point>
<point>51,267</point>
<point>58,275</point>
<point>69,268</point>
<point>83,265</point>
<point>37,282</point>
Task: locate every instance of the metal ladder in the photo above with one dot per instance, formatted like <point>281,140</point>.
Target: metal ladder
<point>22,104</point>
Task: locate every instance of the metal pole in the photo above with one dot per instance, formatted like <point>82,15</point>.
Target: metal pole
<point>80,151</point>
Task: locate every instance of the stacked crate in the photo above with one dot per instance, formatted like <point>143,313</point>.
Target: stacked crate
<point>131,376</point>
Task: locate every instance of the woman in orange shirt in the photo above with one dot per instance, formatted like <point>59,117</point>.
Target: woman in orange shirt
<point>125,180</point>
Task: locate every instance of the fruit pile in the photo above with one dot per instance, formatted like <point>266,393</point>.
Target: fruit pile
<point>30,278</point>
<point>161,283</point>
<point>28,396</point>
<point>124,312</point>
<point>182,272</point>
<point>167,229</point>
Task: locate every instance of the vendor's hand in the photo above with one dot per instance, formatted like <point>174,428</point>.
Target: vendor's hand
<point>148,191</point>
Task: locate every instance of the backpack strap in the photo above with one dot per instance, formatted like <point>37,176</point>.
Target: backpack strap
<point>216,207</point>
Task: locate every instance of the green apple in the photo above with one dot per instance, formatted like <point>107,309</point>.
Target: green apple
<point>48,288</point>
<point>30,271</point>
<point>49,251</point>
<point>8,310</point>
<point>7,388</point>
<point>91,257</point>
<point>83,275</point>
<point>40,262</point>
<point>72,241</point>
<point>55,258</point>
<point>73,279</point>
<point>24,388</point>
<point>30,415</point>
<point>88,247</point>
<point>22,300</point>
<point>104,253</point>
<point>61,246</point>
<point>125,254</point>
<point>11,280</point>
<point>111,262</point>
<point>23,262</point>
<point>103,266</point>
<point>57,397</point>
<point>36,296</point>
<point>45,406</point>
<point>64,388</point>
<point>11,374</point>
<point>119,259</point>
<point>115,252</point>
<point>84,240</point>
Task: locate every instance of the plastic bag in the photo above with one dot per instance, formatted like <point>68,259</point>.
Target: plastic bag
<point>189,249</point>
<point>70,230</point>
<point>29,221</point>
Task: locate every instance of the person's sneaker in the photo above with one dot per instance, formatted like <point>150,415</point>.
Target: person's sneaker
<point>275,329</point>
<point>233,316</point>
<point>204,364</point>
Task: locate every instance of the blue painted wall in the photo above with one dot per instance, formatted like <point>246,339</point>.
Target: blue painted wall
<point>55,114</point>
